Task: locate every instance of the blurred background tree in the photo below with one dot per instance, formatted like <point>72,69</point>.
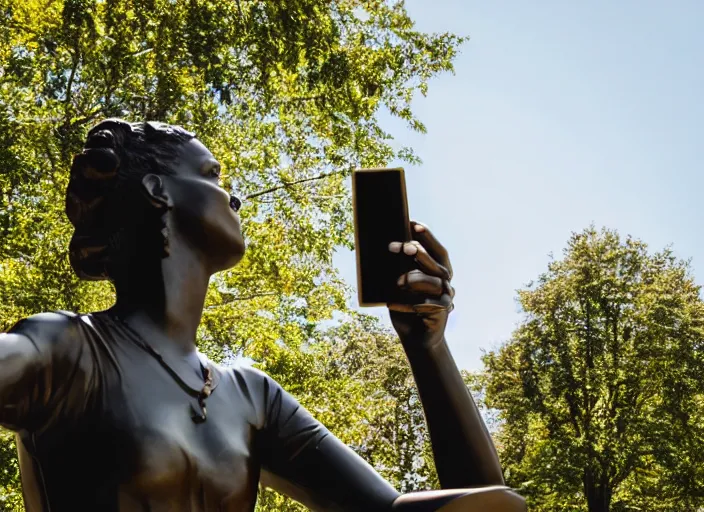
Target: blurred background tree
<point>286,94</point>
<point>599,393</point>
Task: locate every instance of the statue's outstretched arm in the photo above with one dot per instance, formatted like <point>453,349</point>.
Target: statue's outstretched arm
<point>37,358</point>
<point>20,365</point>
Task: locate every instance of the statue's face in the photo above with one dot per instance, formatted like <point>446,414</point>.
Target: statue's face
<point>203,212</point>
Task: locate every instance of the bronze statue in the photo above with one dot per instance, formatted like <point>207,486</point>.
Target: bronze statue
<point>117,411</point>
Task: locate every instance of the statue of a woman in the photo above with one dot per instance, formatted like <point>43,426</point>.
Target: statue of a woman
<point>117,411</point>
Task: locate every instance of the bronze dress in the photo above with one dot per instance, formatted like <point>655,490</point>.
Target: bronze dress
<point>103,425</point>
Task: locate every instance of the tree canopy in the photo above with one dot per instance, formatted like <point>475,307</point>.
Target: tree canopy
<point>287,95</point>
<point>599,391</point>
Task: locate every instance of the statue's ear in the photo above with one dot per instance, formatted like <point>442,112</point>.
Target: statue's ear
<point>153,188</point>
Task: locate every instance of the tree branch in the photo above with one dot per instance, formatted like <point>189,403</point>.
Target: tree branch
<point>239,8</point>
<point>236,298</point>
<point>301,99</point>
<point>39,120</point>
<point>72,76</point>
<point>323,197</point>
<point>88,117</point>
<point>572,389</point>
<point>51,158</point>
<point>139,53</point>
<point>65,129</point>
<point>289,184</point>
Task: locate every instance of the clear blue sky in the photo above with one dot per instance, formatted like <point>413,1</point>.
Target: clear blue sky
<point>560,114</point>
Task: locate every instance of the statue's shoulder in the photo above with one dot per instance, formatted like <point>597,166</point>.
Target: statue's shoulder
<point>251,381</point>
<point>49,327</point>
<point>245,372</point>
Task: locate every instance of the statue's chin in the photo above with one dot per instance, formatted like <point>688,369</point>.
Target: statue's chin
<point>232,258</point>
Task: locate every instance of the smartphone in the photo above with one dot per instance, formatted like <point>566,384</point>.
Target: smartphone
<point>380,217</point>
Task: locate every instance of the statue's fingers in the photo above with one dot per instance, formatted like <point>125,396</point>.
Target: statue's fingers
<point>419,253</point>
<point>420,283</point>
<point>437,251</point>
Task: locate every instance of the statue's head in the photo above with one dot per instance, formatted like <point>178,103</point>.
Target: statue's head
<point>137,186</point>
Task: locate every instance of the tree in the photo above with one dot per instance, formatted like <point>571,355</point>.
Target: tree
<point>285,94</point>
<point>599,391</point>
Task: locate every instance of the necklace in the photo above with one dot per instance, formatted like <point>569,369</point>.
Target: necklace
<point>200,396</point>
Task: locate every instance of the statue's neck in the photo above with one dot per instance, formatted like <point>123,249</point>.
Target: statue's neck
<point>166,297</point>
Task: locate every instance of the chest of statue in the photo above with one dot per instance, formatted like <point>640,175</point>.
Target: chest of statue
<point>137,447</point>
<point>173,454</point>
<point>176,455</point>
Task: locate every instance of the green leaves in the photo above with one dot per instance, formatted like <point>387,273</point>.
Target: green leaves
<point>598,387</point>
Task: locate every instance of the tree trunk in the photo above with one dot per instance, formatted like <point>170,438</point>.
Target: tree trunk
<point>598,494</point>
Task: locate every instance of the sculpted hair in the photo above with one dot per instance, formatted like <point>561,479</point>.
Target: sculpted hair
<point>112,217</point>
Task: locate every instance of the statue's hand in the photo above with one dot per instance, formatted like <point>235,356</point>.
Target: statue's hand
<point>423,323</point>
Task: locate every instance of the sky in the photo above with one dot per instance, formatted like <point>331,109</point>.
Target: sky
<point>559,115</point>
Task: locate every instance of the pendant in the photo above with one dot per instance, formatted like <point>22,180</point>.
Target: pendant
<point>200,417</point>
<point>197,417</point>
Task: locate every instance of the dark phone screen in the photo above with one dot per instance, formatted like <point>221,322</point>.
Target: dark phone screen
<point>381,217</point>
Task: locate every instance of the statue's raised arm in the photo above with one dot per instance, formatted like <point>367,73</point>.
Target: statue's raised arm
<point>464,452</point>
<point>467,464</point>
